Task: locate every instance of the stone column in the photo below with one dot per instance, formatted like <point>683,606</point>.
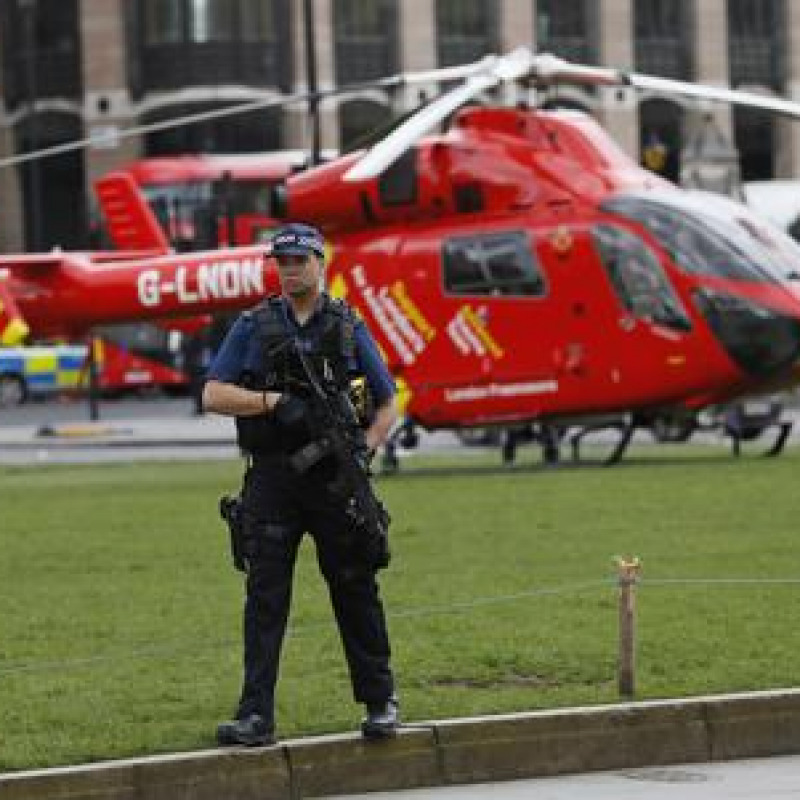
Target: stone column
<point>417,21</point>
<point>787,157</point>
<point>517,24</point>
<point>12,226</point>
<point>710,57</point>
<point>297,129</point>
<point>618,106</point>
<point>517,29</point>
<point>107,105</point>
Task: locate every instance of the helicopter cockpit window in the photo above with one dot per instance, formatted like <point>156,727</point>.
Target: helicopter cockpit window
<point>178,208</point>
<point>492,264</point>
<point>637,277</point>
<point>397,186</point>
<point>699,242</point>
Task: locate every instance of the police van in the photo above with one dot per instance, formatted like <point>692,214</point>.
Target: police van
<point>39,370</point>
<point>127,362</point>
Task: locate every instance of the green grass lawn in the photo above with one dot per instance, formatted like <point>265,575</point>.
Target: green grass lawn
<point>120,614</point>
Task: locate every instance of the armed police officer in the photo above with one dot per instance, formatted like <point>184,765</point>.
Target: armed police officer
<point>275,372</point>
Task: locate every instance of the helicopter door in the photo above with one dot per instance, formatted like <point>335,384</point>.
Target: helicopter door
<point>491,291</point>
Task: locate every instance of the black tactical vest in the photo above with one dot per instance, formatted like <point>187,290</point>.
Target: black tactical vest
<point>329,345</point>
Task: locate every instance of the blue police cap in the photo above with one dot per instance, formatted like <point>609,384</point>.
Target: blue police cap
<point>296,239</point>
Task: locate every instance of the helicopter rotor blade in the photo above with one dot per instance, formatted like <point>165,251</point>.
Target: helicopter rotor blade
<point>459,72</point>
<point>496,69</point>
<point>549,69</point>
<point>733,96</point>
<point>543,70</point>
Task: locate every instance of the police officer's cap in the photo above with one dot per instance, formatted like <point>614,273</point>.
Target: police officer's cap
<point>297,239</point>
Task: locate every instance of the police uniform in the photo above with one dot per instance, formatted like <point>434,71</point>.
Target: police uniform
<point>279,505</point>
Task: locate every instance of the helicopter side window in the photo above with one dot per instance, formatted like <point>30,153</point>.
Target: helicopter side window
<point>463,269</point>
<point>491,264</point>
<point>638,279</point>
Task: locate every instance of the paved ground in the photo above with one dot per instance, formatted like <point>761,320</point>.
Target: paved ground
<point>762,779</point>
<point>56,439</point>
<point>61,432</point>
<point>129,429</point>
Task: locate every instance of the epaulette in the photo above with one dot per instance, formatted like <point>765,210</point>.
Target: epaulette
<point>262,304</point>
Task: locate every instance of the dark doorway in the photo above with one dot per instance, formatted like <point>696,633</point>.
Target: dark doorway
<point>53,188</point>
<point>754,134</point>
<point>661,137</point>
<point>556,101</point>
<point>250,132</point>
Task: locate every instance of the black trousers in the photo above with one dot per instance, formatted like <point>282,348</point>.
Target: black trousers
<point>278,508</point>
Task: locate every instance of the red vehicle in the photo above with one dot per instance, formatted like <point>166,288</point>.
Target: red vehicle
<point>139,358</point>
<point>517,270</point>
<point>197,198</point>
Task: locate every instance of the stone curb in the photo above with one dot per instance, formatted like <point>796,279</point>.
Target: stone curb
<point>443,752</point>
<point>94,444</point>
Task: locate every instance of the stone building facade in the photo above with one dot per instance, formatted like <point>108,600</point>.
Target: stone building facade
<point>94,69</point>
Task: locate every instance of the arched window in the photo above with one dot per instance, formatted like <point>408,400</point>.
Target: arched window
<point>53,189</point>
<point>365,39</point>
<point>41,50</point>
<point>756,42</point>
<point>466,30</point>
<point>177,43</point>
<point>660,137</point>
<point>568,30</point>
<point>661,41</point>
<point>358,119</point>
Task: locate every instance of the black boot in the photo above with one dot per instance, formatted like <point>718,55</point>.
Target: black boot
<point>382,720</point>
<point>252,731</point>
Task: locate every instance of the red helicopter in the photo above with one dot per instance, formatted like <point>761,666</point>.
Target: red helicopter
<point>519,270</point>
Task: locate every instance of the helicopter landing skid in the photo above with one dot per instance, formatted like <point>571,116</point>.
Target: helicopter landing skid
<point>743,424</point>
<point>784,429</point>
<point>626,430</point>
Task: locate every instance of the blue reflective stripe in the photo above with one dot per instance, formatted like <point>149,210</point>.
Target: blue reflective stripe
<point>71,361</point>
<point>41,381</point>
<point>11,363</point>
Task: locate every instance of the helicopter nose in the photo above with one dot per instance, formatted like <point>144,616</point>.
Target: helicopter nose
<point>760,340</point>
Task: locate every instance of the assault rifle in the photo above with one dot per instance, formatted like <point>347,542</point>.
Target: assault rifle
<point>342,439</point>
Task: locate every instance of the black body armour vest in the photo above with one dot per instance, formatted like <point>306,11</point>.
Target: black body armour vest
<point>329,346</point>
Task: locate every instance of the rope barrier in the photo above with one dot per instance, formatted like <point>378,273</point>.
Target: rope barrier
<point>718,581</point>
<point>169,650</point>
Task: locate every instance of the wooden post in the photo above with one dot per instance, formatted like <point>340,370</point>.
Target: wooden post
<point>628,574</point>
